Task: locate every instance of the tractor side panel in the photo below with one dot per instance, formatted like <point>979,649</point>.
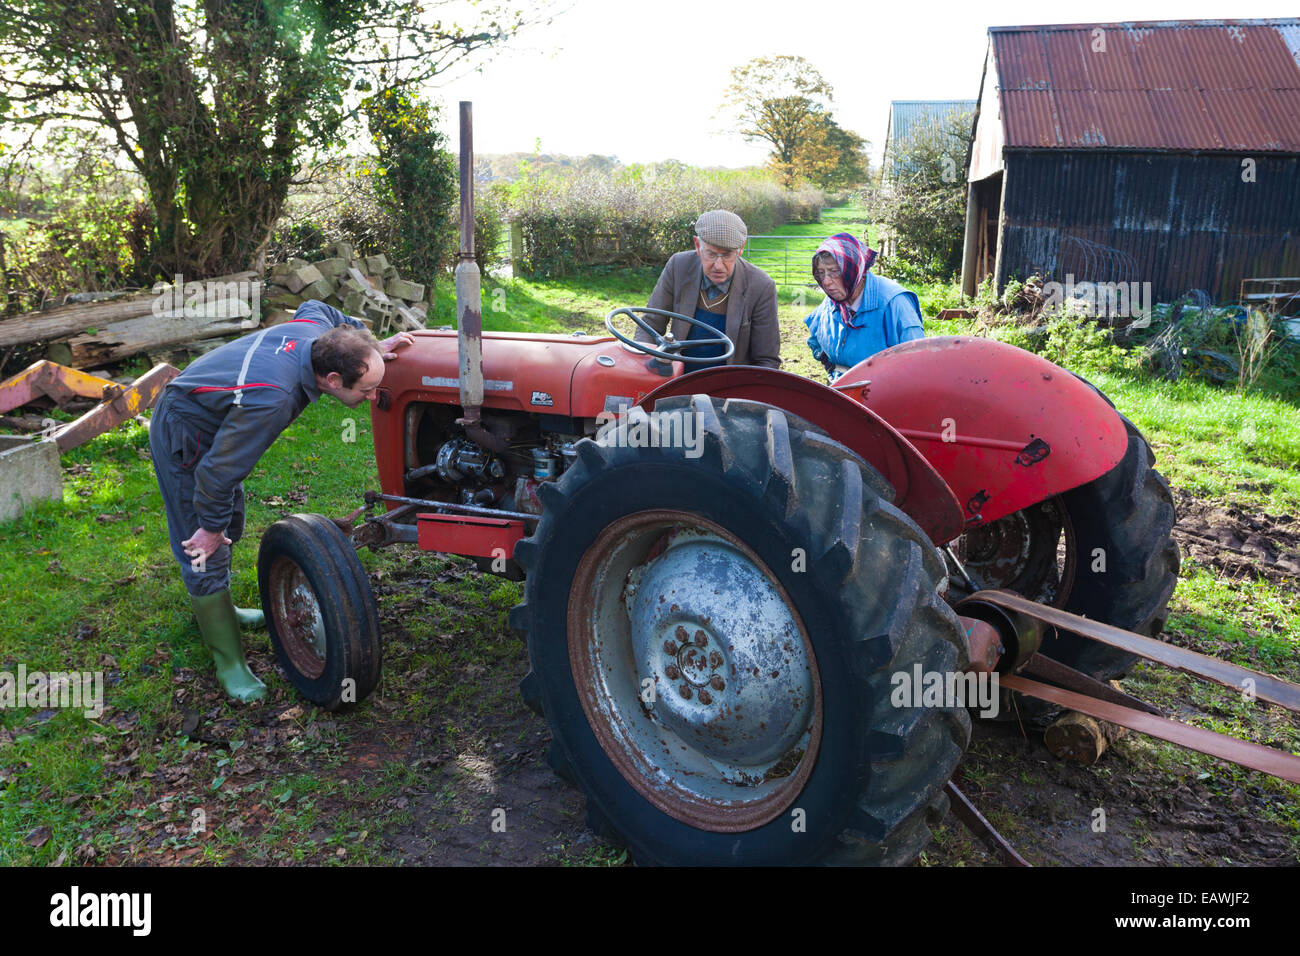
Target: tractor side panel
<point>920,491</point>
<point>561,375</point>
<point>1004,427</point>
<point>520,373</point>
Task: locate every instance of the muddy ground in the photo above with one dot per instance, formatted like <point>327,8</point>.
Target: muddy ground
<point>1237,543</point>
<point>468,783</point>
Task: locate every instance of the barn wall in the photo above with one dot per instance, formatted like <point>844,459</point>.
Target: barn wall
<point>1188,221</point>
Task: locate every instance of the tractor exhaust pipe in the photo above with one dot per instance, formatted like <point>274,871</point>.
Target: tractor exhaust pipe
<point>469,315</point>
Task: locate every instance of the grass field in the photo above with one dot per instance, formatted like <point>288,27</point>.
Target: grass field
<point>89,584</point>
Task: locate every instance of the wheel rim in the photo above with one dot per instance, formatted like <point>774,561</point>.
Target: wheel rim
<point>1031,552</point>
<point>297,617</point>
<point>730,735</point>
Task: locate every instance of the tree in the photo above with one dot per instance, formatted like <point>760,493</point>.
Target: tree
<point>831,158</point>
<point>851,166</point>
<point>417,180</point>
<point>922,208</point>
<point>215,103</point>
<point>780,100</point>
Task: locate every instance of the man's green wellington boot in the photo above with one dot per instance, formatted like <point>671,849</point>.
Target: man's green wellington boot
<point>219,625</point>
<point>250,617</point>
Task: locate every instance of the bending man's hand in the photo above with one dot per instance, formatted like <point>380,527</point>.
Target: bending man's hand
<point>389,346</point>
<point>202,544</point>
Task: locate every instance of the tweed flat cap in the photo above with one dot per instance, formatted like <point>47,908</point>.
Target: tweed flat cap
<point>721,228</point>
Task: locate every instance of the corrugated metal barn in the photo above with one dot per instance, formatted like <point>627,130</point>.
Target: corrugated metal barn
<point>1164,152</point>
<point>907,118</point>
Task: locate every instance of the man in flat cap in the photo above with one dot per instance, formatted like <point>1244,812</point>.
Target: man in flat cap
<point>715,285</point>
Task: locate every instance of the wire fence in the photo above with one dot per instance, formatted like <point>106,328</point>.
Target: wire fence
<point>788,258</point>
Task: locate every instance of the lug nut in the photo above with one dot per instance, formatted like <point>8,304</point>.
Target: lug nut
<point>701,639</point>
<point>705,696</point>
<point>685,691</point>
<point>681,634</point>
<point>672,672</point>
<point>715,659</point>
<point>670,647</point>
<point>716,682</point>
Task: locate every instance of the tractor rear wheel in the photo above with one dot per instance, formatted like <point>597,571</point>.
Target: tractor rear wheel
<point>1127,559</point>
<point>714,632</point>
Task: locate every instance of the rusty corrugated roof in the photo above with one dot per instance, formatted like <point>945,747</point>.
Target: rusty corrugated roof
<point>1224,85</point>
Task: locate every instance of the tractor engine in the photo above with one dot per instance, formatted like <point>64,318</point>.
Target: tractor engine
<point>444,464</point>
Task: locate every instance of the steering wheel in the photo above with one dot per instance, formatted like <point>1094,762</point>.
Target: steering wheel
<point>669,348</point>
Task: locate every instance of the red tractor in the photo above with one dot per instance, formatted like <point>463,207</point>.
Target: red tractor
<point>726,571</point>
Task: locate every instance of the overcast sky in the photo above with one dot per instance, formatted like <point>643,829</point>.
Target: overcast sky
<point>642,80</point>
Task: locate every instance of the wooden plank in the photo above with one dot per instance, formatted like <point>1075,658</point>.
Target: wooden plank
<point>68,320</point>
<point>125,339</point>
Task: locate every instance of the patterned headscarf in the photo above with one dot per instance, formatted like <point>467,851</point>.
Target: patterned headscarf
<point>854,259</point>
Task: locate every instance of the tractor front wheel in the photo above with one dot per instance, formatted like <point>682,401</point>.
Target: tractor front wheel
<point>715,630</point>
<point>320,610</point>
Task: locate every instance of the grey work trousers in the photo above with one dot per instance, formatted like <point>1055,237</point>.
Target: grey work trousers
<point>178,446</point>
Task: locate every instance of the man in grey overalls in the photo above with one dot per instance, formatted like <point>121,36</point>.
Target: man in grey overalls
<point>210,427</point>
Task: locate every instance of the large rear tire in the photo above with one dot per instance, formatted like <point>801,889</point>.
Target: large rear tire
<point>713,639</point>
<point>1128,560</point>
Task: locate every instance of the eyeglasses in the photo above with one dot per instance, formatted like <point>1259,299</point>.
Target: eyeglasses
<point>831,272</point>
<point>711,255</point>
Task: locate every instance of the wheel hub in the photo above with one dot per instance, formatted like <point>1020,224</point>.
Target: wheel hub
<point>694,671</point>
<point>297,616</point>
<point>1030,552</point>
<point>723,650</point>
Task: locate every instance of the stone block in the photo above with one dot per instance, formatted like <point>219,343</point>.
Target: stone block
<point>353,301</point>
<point>29,474</point>
<point>303,277</point>
<point>282,299</point>
<point>404,289</point>
<point>332,268</point>
<point>375,309</point>
<point>410,321</point>
<point>322,288</point>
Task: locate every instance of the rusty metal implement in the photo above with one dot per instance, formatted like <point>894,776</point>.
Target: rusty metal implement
<point>1264,686</point>
<point>1070,679</point>
<point>1243,752</point>
<point>975,821</point>
<point>118,403</point>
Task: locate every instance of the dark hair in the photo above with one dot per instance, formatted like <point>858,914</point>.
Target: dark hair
<point>345,350</point>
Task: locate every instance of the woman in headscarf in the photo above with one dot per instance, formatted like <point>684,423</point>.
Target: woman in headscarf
<point>862,312</point>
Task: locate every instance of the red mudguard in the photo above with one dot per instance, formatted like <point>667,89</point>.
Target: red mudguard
<point>1004,427</point>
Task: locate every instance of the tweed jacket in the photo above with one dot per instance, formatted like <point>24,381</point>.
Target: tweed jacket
<point>751,308</point>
